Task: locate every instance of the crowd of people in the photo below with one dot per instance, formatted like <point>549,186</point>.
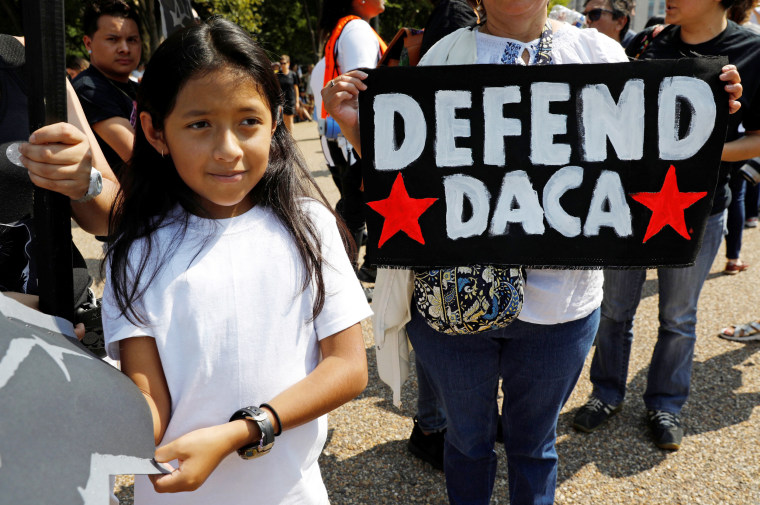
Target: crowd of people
<point>234,292</point>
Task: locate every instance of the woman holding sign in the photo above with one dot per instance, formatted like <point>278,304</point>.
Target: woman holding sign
<point>540,355</point>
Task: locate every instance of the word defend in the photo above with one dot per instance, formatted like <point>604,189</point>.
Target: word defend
<point>600,165</point>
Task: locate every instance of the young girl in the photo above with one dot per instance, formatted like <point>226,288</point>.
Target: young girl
<point>231,301</point>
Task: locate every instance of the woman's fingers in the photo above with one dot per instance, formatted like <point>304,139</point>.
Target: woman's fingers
<point>58,158</point>
<point>730,74</point>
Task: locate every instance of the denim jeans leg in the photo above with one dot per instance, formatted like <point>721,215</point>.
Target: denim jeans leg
<point>464,372</point>
<point>430,414</point>
<point>670,369</point>
<point>609,366</point>
<point>735,220</point>
<point>751,200</point>
<point>540,365</point>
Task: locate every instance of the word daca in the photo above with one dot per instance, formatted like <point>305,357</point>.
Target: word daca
<point>599,118</point>
<point>518,202</point>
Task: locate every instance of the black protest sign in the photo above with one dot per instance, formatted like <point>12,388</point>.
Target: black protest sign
<point>561,165</point>
<point>68,420</point>
<point>175,14</point>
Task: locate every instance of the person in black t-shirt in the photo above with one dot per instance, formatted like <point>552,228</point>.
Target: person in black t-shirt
<point>698,28</point>
<point>112,39</point>
<point>289,86</point>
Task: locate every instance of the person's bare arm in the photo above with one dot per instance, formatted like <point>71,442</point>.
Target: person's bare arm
<point>744,148</point>
<point>117,133</point>
<point>92,216</point>
<point>142,364</point>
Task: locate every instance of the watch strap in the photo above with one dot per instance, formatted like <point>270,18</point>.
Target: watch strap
<point>264,445</point>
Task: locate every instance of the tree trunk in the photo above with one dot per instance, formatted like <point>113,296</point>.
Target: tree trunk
<point>150,29</point>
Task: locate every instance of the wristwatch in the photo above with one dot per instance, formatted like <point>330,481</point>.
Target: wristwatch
<point>259,417</point>
<point>96,186</point>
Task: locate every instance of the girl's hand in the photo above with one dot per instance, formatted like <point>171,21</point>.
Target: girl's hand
<point>733,88</point>
<point>58,158</point>
<point>198,452</point>
<point>341,97</point>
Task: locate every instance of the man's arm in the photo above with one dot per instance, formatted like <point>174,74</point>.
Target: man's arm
<point>743,148</point>
<point>92,216</point>
<point>117,133</point>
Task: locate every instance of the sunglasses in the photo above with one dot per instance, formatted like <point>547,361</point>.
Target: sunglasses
<point>595,14</point>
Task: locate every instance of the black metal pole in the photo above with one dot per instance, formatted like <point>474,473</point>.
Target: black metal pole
<point>46,81</point>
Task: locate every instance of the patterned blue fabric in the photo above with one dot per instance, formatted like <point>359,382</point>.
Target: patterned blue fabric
<point>469,299</point>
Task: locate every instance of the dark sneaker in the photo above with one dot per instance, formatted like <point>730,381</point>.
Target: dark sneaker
<point>428,448</point>
<point>594,414</point>
<point>666,429</point>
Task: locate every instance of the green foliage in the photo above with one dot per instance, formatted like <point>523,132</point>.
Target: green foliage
<point>291,27</point>
<point>401,13</point>
<point>242,12</point>
<point>286,29</point>
<point>281,26</point>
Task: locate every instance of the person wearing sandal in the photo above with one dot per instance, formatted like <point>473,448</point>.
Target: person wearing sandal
<point>749,332</point>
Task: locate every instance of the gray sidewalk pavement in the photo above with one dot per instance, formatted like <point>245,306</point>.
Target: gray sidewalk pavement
<point>365,460</point>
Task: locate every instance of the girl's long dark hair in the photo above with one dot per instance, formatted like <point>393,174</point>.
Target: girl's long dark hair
<point>151,187</point>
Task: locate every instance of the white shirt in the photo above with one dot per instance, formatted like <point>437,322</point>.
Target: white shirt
<point>232,326</point>
<point>358,46</point>
<point>557,296</point>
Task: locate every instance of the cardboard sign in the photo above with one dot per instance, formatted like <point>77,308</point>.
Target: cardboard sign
<point>582,166</point>
<point>68,420</point>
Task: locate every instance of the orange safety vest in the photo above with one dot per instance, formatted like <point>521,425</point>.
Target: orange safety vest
<point>331,52</point>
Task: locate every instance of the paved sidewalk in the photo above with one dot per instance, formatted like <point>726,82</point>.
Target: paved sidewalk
<point>365,460</point>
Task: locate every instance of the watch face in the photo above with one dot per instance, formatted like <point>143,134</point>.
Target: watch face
<point>96,183</point>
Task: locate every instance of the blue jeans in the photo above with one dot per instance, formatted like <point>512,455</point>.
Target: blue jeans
<point>539,365</point>
<point>430,414</point>
<point>670,368</point>
<point>735,220</point>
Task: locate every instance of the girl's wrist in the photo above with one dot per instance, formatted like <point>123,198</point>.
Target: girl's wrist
<point>240,433</point>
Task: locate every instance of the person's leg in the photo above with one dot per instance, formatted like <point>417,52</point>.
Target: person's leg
<point>427,439</point>
<point>336,161</point>
<point>353,199</point>
<point>540,365</point>
<point>735,222</point>
<point>464,373</point>
<point>430,414</point>
<point>751,204</point>
<point>287,119</point>
<point>670,369</point>
<point>609,367</point>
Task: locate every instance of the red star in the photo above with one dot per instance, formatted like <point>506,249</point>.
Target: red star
<point>667,206</point>
<point>401,212</point>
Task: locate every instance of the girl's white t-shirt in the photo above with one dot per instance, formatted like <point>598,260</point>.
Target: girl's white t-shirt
<point>557,296</point>
<point>233,329</point>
